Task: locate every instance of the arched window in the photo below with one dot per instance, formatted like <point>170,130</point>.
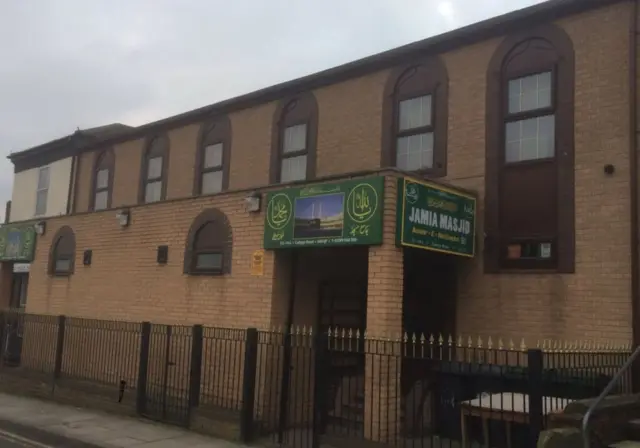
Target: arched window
<point>414,118</point>
<point>63,252</point>
<point>529,180</point>
<point>102,184</point>
<point>155,167</point>
<point>294,139</point>
<point>209,245</point>
<point>213,158</point>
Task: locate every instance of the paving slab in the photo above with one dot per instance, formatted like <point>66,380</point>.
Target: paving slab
<point>100,429</point>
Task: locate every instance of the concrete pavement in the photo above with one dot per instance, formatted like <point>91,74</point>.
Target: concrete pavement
<point>27,420</point>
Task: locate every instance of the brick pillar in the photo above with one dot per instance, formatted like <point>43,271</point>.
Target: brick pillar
<point>384,329</point>
<point>6,277</point>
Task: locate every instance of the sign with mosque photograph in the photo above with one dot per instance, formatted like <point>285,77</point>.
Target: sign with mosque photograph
<point>337,214</point>
<point>17,243</point>
<point>435,218</point>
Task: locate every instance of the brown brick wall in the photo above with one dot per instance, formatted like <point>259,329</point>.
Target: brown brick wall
<point>125,282</point>
<point>592,303</point>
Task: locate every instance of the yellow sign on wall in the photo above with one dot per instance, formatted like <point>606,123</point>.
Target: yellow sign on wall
<point>257,262</point>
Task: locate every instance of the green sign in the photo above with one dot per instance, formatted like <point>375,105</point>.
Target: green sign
<point>339,214</point>
<point>17,243</point>
<point>435,218</point>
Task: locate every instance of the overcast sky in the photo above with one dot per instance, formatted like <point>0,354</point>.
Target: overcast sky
<point>84,63</point>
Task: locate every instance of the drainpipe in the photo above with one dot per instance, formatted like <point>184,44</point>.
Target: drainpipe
<point>634,185</point>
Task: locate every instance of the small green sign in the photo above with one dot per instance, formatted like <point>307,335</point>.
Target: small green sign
<point>435,218</point>
<point>338,214</point>
<point>17,243</point>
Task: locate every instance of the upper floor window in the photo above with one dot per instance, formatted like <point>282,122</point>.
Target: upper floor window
<point>62,253</point>
<point>103,180</point>
<point>530,120</point>
<point>213,157</point>
<point>209,245</point>
<point>414,127</point>
<point>295,131</point>
<point>154,170</point>
<point>42,190</point>
<point>529,181</point>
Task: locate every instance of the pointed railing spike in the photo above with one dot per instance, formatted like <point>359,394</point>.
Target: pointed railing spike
<point>470,342</point>
<point>500,344</point>
<point>523,346</point>
<point>490,343</point>
<point>479,344</point>
<point>450,341</point>
<point>459,343</point>
<point>511,345</point>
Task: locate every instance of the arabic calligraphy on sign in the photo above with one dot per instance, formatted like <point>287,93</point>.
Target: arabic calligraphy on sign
<point>279,211</point>
<point>362,203</point>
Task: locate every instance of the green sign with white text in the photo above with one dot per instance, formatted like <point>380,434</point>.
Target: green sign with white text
<point>435,218</point>
<point>338,214</point>
<point>17,243</point>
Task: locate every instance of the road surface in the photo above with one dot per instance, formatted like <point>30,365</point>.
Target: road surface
<point>10,440</point>
<point>13,435</point>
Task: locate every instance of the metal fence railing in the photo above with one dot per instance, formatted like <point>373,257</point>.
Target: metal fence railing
<point>306,389</point>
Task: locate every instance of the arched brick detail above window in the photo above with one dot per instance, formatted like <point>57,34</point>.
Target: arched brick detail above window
<point>102,180</point>
<point>209,245</point>
<point>294,137</point>
<point>62,252</point>
<point>415,118</point>
<point>213,157</point>
<point>154,170</point>
<point>529,177</point>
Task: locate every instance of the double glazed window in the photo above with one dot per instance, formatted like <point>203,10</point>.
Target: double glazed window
<point>530,121</point>
<point>42,191</point>
<point>212,163</point>
<point>294,153</point>
<point>414,149</point>
<point>154,171</point>
<point>209,245</point>
<point>414,118</point>
<point>62,252</point>
<point>103,180</point>
<point>295,130</point>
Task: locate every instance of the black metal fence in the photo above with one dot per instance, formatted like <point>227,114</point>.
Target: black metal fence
<point>299,389</point>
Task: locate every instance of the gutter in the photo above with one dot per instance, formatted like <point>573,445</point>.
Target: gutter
<point>634,186</point>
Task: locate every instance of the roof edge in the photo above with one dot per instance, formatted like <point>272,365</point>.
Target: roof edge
<point>476,32</point>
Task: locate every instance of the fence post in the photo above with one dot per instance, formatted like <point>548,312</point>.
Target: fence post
<point>321,357</point>
<point>143,367</point>
<point>3,343</point>
<point>59,346</point>
<point>249,384</point>
<point>535,363</point>
<point>195,376</point>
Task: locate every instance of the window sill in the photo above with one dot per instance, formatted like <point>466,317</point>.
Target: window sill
<point>205,274</point>
<point>529,271</point>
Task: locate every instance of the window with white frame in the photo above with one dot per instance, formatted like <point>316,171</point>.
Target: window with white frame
<point>42,191</point>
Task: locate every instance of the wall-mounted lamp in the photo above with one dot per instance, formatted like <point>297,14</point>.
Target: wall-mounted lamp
<point>253,202</point>
<point>123,217</point>
<point>40,227</point>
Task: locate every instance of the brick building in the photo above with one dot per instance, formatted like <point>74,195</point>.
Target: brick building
<point>525,122</point>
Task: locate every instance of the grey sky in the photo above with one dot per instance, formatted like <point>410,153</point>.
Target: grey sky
<point>79,63</point>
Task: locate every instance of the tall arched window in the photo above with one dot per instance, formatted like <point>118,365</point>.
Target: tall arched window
<point>529,219</point>
<point>209,245</point>
<point>155,168</point>
<point>294,139</point>
<point>213,158</point>
<point>62,252</point>
<point>102,184</point>
<point>414,118</point>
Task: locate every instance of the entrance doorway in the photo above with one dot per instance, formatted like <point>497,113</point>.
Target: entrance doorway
<point>429,311</point>
<point>329,295</point>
